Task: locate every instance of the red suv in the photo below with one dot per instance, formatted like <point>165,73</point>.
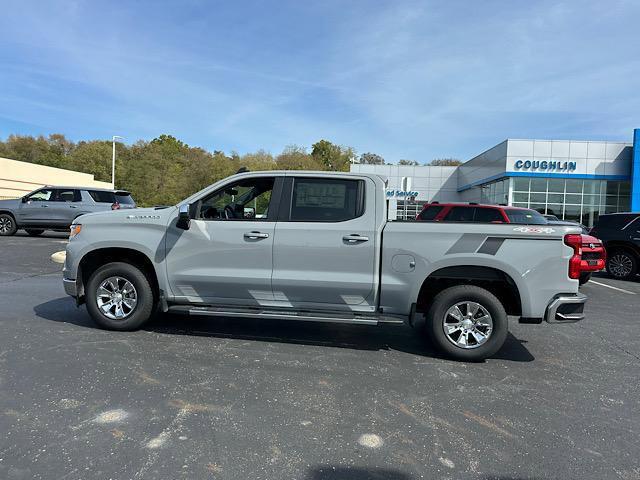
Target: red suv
<point>592,252</point>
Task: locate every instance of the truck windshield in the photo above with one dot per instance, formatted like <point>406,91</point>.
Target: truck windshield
<point>525,217</point>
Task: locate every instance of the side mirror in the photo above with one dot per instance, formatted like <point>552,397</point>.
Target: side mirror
<point>184,218</point>
<point>24,199</point>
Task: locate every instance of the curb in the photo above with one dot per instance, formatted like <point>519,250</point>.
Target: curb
<point>59,257</point>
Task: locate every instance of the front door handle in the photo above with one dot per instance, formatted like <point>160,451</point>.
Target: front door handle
<point>72,206</point>
<point>45,206</point>
<point>255,235</point>
<point>355,238</point>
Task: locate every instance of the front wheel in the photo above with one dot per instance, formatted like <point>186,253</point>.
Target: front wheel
<point>119,297</point>
<point>7,225</point>
<point>467,322</point>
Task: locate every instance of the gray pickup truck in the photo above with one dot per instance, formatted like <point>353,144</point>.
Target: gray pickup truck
<point>318,246</point>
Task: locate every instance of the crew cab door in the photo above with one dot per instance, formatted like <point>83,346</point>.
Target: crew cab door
<point>324,253</point>
<point>225,257</point>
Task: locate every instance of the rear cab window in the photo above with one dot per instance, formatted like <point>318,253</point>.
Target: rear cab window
<point>326,200</point>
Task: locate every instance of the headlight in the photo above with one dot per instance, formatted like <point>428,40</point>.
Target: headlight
<point>75,230</point>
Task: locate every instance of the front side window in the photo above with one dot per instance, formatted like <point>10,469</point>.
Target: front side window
<point>525,217</point>
<point>326,200</point>
<point>245,200</point>
<point>487,215</point>
<point>44,195</point>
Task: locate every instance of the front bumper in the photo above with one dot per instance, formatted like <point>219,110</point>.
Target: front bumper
<point>566,308</point>
<point>70,287</point>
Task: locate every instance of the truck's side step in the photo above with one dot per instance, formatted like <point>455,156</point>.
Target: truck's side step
<point>334,317</point>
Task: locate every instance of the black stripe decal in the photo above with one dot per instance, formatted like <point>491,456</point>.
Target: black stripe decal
<point>491,245</point>
<point>467,243</point>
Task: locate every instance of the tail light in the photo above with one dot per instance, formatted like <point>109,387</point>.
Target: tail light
<point>115,206</point>
<point>574,241</point>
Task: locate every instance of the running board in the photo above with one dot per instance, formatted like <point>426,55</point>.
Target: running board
<point>333,317</point>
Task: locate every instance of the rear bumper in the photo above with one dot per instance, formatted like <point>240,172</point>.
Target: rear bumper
<point>567,308</point>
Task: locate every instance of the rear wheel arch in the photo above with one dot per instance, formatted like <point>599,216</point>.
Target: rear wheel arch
<point>95,259</point>
<point>494,280</point>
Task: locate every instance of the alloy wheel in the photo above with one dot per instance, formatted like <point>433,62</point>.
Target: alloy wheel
<point>467,325</point>
<point>5,225</point>
<point>620,265</point>
<point>116,298</point>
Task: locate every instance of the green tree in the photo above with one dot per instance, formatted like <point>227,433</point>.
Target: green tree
<point>371,159</point>
<point>408,162</point>
<point>333,157</point>
<point>294,157</point>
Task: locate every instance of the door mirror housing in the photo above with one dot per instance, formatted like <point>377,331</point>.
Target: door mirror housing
<point>24,199</point>
<point>184,217</point>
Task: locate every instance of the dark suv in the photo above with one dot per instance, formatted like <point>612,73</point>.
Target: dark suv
<point>620,233</point>
<point>55,208</point>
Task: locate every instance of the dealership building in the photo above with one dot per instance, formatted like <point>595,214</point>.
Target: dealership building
<point>574,180</point>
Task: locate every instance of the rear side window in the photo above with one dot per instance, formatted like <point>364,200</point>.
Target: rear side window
<point>460,214</point>
<point>102,197</point>
<point>431,212</point>
<point>525,217</point>
<point>124,198</point>
<point>487,215</point>
<point>326,200</point>
<point>67,195</point>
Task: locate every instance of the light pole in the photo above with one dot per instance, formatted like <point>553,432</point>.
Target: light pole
<point>113,161</point>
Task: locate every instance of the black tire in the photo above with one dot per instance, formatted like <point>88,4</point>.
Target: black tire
<point>8,225</point>
<point>584,278</point>
<point>144,307</point>
<point>34,232</point>
<point>622,264</point>
<point>437,315</point>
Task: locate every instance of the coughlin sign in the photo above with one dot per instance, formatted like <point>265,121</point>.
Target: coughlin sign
<point>545,165</point>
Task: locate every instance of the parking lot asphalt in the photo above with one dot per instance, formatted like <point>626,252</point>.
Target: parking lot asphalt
<point>252,399</point>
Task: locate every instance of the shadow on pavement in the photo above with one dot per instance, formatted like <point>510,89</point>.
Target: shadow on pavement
<point>359,337</point>
<point>329,472</point>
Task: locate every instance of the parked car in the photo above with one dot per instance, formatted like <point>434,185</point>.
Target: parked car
<point>55,208</point>
<point>312,246</point>
<point>594,254</point>
<point>479,213</point>
<point>620,233</point>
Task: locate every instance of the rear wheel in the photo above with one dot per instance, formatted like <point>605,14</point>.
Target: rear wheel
<point>8,225</point>
<point>467,322</point>
<point>34,232</point>
<point>622,264</point>
<point>119,297</point>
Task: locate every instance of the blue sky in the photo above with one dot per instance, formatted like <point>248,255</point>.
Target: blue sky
<point>405,79</point>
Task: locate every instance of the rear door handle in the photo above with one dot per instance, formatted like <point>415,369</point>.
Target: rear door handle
<point>72,206</point>
<point>45,206</point>
<point>355,238</point>
<point>256,235</point>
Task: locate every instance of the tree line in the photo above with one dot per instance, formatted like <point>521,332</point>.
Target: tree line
<point>165,170</point>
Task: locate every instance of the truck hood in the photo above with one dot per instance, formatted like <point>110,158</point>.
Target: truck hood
<point>10,204</point>
<point>128,216</point>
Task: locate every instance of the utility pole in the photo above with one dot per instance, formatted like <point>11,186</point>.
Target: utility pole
<point>113,161</point>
